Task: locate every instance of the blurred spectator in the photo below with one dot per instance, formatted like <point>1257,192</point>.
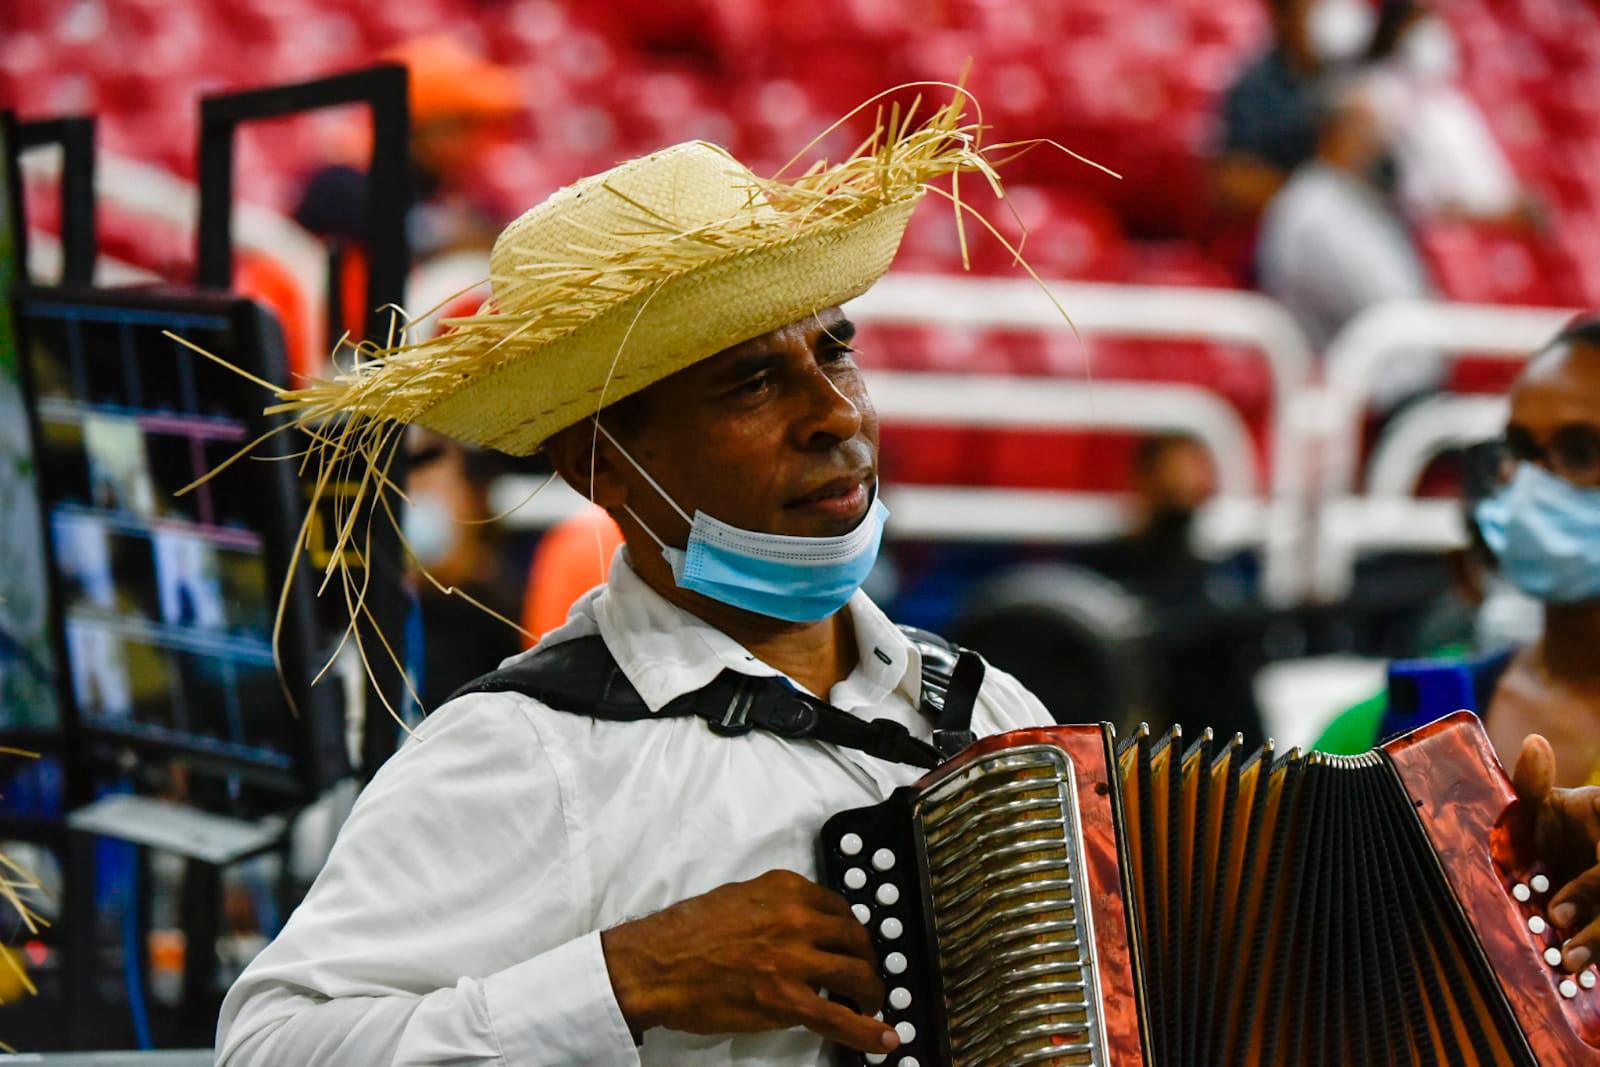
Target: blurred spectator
<point>445,525</point>
<point>1544,527</point>
<point>1449,163</point>
<point>1541,524</point>
<point>1269,115</point>
<point>573,557</point>
<point>1332,243</point>
<point>1204,627</point>
<point>461,106</point>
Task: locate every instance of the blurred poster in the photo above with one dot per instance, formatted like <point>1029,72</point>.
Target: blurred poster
<point>27,697</point>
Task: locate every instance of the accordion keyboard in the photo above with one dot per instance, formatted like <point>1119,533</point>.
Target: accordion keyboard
<point>985,871</point>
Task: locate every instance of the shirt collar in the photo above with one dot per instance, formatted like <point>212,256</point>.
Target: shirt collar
<point>665,651</point>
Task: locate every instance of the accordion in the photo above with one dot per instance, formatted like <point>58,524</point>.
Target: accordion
<point>1055,896</point>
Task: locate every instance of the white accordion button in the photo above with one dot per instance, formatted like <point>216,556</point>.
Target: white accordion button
<point>1540,883</point>
<point>900,997</point>
<point>855,878</point>
<point>862,913</point>
<point>891,928</point>
<point>1536,924</point>
<point>1569,988</point>
<point>1522,892</point>
<point>894,963</point>
<point>909,1061</point>
<point>907,1032</point>
<point>876,1057</point>
<point>883,859</point>
<point>1552,956</point>
<point>850,844</point>
<point>888,893</point>
<point>1586,979</point>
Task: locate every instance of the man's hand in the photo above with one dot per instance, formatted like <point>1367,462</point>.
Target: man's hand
<point>750,957</point>
<point>1566,829</point>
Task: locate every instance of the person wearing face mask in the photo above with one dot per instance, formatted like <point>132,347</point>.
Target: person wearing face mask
<point>1269,119</point>
<point>445,522</point>
<point>1535,545</point>
<point>1449,164</point>
<point>1333,243</point>
<point>1543,526</point>
<point>1205,630</point>
<point>604,852</point>
<point>629,877</point>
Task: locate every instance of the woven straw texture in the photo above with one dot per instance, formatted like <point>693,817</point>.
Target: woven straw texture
<point>671,320</point>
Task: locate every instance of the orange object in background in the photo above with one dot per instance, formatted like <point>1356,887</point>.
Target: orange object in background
<point>268,281</point>
<point>573,557</point>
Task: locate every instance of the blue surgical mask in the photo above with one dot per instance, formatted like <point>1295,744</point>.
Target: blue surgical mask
<point>800,579</point>
<point>1545,533</point>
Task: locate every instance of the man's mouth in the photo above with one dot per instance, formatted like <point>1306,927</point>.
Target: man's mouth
<point>841,496</point>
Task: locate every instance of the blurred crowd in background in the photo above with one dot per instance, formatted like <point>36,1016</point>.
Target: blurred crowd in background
<point>1332,154</point>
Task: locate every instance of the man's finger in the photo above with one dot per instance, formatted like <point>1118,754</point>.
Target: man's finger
<point>848,977</point>
<point>1535,772</point>
<point>1583,948</point>
<point>846,935</point>
<point>838,1023</point>
<point>827,901</point>
<point>1577,907</point>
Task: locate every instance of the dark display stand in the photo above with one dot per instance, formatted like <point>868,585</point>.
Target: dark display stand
<point>236,808</point>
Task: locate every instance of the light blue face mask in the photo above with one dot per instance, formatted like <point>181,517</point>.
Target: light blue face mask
<point>800,579</point>
<point>1545,533</point>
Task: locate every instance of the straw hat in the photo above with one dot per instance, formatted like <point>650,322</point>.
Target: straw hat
<point>627,276</point>
<point>616,282</point>
<point>734,266</point>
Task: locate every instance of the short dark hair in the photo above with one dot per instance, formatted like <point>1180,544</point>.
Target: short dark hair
<point>1151,450</point>
<point>1582,330</point>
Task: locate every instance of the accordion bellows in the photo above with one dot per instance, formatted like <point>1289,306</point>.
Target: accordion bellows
<point>1053,897</point>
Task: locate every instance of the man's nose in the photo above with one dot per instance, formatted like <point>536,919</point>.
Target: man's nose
<point>831,416</point>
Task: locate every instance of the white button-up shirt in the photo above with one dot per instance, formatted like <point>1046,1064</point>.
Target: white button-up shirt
<point>457,919</point>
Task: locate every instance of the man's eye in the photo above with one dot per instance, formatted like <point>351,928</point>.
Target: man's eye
<point>836,355</point>
<point>751,386</point>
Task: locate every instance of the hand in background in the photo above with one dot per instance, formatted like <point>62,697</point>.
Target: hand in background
<point>1567,837</point>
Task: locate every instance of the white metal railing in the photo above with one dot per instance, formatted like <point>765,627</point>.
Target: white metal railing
<point>1383,516</point>
<point>1357,354</point>
<point>1190,313</point>
<point>1237,518</point>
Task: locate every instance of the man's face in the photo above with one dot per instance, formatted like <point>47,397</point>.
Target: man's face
<point>776,434</point>
<point>1555,415</point>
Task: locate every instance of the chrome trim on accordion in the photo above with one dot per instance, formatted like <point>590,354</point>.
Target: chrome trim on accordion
<point>1004,878</point>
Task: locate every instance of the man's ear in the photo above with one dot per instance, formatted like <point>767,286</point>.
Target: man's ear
<point>576,452</point>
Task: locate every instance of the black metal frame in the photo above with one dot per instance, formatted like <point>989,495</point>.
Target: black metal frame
<point>384,90</point>
<point>75,135</point>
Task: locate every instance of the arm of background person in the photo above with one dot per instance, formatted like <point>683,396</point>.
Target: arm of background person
<point>449,925</point>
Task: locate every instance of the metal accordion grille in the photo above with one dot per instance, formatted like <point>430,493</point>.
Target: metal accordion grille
<point>1012,926</point>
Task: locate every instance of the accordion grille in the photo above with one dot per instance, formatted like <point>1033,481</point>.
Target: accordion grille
<point>1010,912</point>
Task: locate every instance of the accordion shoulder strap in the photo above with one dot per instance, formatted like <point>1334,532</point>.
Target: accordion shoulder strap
<point>581,677</point>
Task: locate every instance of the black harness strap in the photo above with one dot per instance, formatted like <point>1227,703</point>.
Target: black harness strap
<point>581,677</point>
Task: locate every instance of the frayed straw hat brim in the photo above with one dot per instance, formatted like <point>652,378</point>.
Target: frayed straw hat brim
<point>678,322</point>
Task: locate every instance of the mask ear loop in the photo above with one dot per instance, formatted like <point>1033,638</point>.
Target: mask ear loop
<point>653,484</point>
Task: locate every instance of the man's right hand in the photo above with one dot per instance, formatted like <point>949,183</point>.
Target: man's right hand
<point>751,957</point>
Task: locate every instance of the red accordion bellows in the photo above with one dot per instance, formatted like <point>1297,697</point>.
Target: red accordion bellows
<point>1052,896</point>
